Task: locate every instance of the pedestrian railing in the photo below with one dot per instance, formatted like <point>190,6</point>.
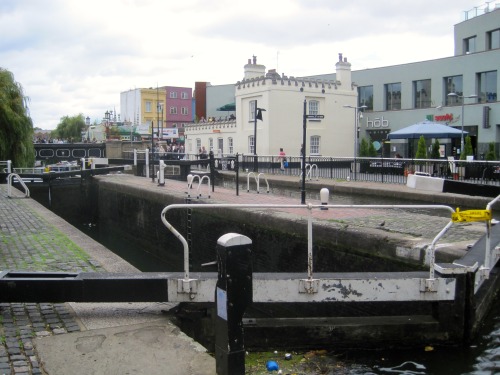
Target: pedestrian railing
<point>310,285</point>
<point>10,179</point>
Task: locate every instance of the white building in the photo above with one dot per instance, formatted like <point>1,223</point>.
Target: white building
<point>281,126</point>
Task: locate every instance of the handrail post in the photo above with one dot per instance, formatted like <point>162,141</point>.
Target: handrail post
<point>232,296</point>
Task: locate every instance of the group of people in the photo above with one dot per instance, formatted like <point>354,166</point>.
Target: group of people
<point>172,151</point>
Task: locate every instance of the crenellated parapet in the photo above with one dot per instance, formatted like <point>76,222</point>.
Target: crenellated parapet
<point>282,80</point>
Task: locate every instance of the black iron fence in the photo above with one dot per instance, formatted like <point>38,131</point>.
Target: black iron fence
<point>390,170</point>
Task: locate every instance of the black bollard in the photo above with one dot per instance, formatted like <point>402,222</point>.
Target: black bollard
<point>233,295</point>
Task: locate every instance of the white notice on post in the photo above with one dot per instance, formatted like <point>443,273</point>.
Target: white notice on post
<point>222,303</point>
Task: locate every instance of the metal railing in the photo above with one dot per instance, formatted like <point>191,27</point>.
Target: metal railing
<point>430,256</point>
<point>388,170</point>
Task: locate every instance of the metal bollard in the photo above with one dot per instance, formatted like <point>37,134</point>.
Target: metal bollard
<point>161,173</point>
<point>232,296</point>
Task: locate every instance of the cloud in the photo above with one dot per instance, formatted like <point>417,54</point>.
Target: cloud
<point>76,57</point>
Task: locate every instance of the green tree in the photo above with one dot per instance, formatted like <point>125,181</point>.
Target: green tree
<point>16,127</point>
<point>363,148</point>
<point>467,148</point>
<point>367,149</point>
<point>70,128</point>
<point>435,150</point>
<point>491,155</point>
<point>421,149</point>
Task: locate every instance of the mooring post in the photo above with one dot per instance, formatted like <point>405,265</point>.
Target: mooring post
<point>232,296</point>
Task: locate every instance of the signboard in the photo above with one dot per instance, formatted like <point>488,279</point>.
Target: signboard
<point>170,133</point>
<point>315,116</point>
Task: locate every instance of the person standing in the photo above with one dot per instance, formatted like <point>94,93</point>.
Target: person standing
<point>282,158</point>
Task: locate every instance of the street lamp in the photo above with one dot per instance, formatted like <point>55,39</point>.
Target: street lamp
<point>356,124</point>
<point>462,135</point>
<point>257,116</point>
<point>87,123</point>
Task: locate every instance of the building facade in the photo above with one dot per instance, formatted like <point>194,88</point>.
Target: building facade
<point>281,101</point>
<point>163,111</point>
<point>395,97</point>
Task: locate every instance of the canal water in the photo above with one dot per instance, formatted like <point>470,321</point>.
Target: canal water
<point>480,358</point>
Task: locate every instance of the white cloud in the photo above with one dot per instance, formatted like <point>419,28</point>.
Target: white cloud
<point>76,57</point>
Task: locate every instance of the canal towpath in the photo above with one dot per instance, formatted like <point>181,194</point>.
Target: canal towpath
<point>139,338</point>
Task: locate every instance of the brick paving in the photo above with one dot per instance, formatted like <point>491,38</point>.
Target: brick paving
<point>29,242</point>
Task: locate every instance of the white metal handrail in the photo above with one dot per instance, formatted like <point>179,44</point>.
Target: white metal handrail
<point>257,181</point>
<point>10,177</point>
<point>309,207</point>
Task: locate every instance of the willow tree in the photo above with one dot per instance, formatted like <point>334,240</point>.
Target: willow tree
<point>16,127</point>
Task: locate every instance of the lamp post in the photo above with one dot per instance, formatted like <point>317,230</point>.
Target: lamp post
<point>87,123</point>
<point>454,94</point>
<point>257,116</point>
<point>356,124</point>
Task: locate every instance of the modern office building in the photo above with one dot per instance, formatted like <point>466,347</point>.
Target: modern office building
<point>460,91</point>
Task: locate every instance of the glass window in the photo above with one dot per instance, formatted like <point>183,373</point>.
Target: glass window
<point>148,106</point>
<point>470,45</point>
<point>184,111</point>
<point>365,97</point>
<point>198,144</point>
<point>314,146</point>
<point>184,95</point>
<point>253,104</point>
<point>313,107</point>
<point>453,84</point>
<point>494,39</point>
<point>211,144</point>
<point>173,94</point>
<point>251,144</point>
<point>422,93</point>
<point>220,145</point>
<point>393,96</point>
<point>173,110</point>
<point>230,144</point>
<point>487,84</point>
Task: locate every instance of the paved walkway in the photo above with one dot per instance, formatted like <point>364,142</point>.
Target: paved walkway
<point>112,338</point>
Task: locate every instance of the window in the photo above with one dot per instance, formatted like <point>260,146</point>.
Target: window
<point>422,93</point>
<point>470,45</point>
<point>314,146</point>
<point>210,144</point>
<point>159,107</point>
<point>184,111</point>
<point>173,110</point>
<point>493,39</point>
<point>252,105</point>
<point>230,144</point>
<point>453,84</point>
<point>184,95</point>
<point>148,106</point>
<point>198,144</point>
<point>173,94</point>
<point>220,145</point>
<point>487,86</point>
<point>393,96</point>
<point>174,125</point>
<point>313,107</point>
<point>365,97</point>
<point>251,145</point>
<point>190,145</point>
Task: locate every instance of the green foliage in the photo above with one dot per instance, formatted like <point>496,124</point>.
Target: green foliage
<point>70,128</point>
<point>367,149</point>
<point>491,155</point>
<point>435,150</point>
<point>363,148</point>
<point>467,148</point>
<point>421,149</point>
<point>16,127</point>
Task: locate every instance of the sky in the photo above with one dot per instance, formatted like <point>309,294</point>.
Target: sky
<point>76,57</point>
